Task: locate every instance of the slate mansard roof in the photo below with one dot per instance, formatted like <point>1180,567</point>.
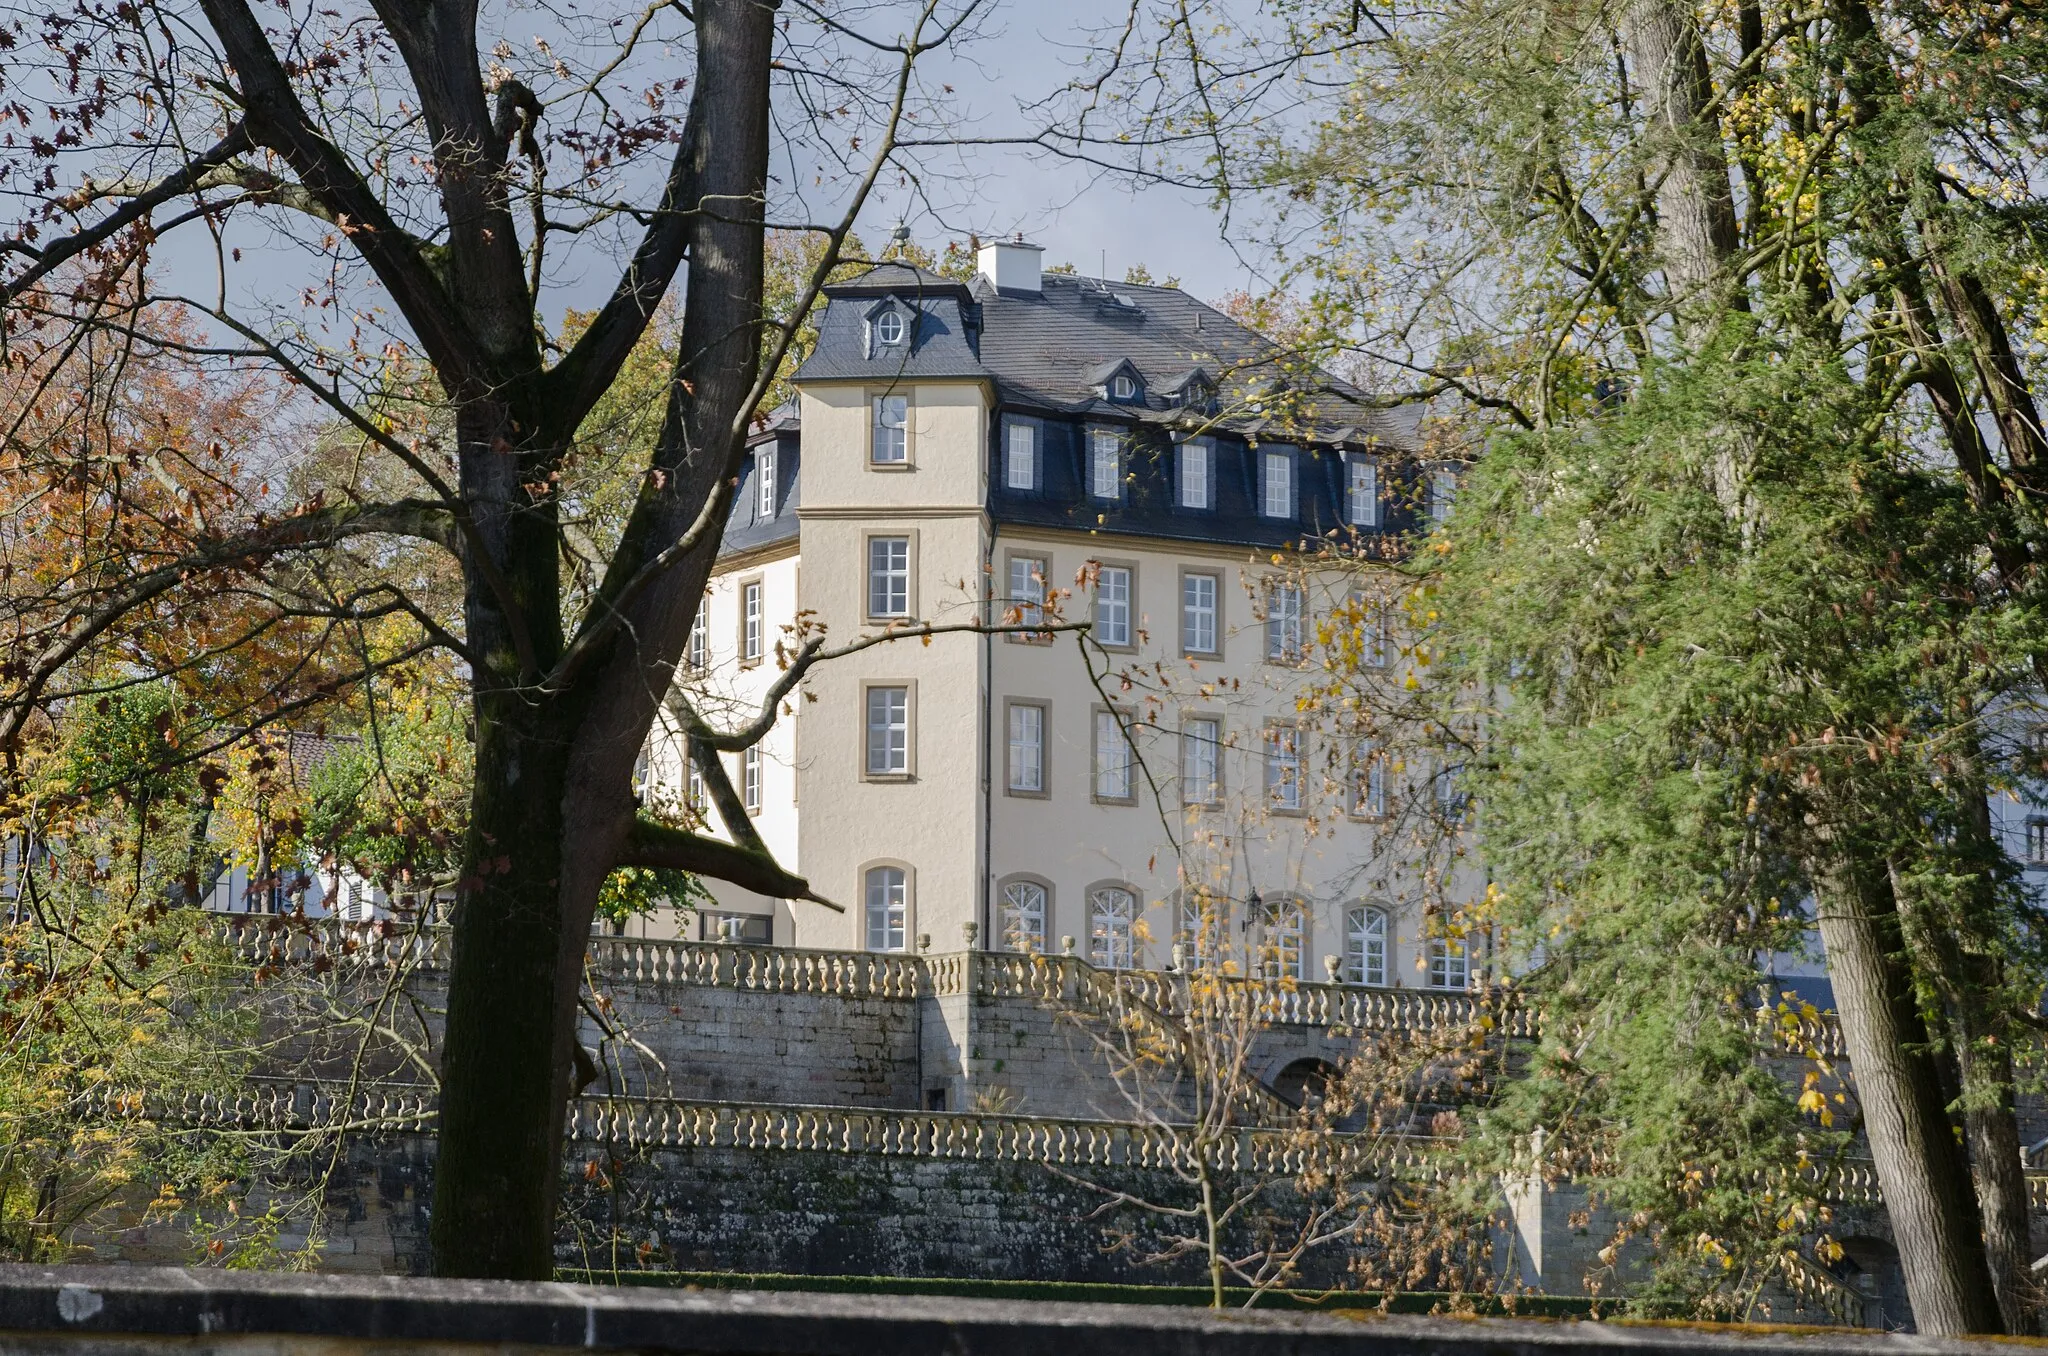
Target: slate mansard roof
<point>1051,358</point>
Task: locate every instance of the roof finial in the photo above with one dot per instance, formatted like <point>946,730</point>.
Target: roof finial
<point>899,235</point>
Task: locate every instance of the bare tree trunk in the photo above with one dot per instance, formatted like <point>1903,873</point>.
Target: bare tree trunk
<point>1927,1187</point>
<point>1696,230</point>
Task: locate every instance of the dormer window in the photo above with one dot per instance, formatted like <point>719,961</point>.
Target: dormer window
<point>889,327</point>
<point>1123,388</point>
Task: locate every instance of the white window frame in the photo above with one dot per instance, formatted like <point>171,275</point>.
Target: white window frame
<point>1197,466</point>
<point>1450,964</point>
<point>1283,940</point>
<point>694,789</point>
<point>1112,927</point>
<point>889,582</point>
<point>750,779</point>
<point>1123,386</point>
<point>1020,455</point>
<point>1276,484</point>
<point>1284,767</point>
<point>1110,781</point>
<point>1191,614</point>
<point>889,444</point>
<point>764,482</point>
<point>1105,465</point>
<point>1027,579</point>
<point>753,620</point>
<point>1366,935</point>
<point>698,656</point>
<point>888,741</point>
<point>1201,760</point>
<point>1026,911</point>
<point>1115,620</point>
<point>882,319</point>
<point>1026,769</point>
<point>1286,602</point>
<point>1443,493</point>
<point>885,907</point>
<point>1368,782</point>
<point>1362,491</point>
<point>2036,847</point>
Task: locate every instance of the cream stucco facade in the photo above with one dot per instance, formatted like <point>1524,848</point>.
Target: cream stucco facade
<point>973,835</point>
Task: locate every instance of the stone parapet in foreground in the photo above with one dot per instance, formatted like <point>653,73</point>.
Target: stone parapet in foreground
<point>104,1310</point>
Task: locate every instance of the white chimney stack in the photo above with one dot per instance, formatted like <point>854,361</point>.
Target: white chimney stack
<point>1012,265</point>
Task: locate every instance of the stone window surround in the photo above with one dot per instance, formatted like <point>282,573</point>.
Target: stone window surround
<point>1215,798</point>
<point>1127,722</point>
<point>1180,611</point>
<point>1051,896</point>
<point>1044,707</point>
<point>740,587</point>
<point>860,919</point>
<point>1133,620</point>
<point>874,419</point>
<point>1043,555</point>
<point>909,773</point>
<point>908,534</point>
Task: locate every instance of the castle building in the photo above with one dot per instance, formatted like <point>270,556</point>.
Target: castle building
<point>1032,448</point>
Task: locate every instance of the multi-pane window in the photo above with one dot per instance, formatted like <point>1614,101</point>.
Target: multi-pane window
<point>1369,782</point>
<point>1201,760</point>
<point>1112,920</point>
<point>1024,916</point>
<point>764,482</point>
<point>1027,749</point>
<point>694,789</point>
<point>750,621</point>
<point>889,326</point>
<point>1113,605</point>
<point>1197,463</point>
<point>1365,946</point>
<point>1123,388</point>
<point>1201,927</point>
<point>1281,928</point>
<point>1020,455</point>
<point>1112,757</point>
<point>1283,767</point>
<point>1362,492</point>
<point>888,731</point>
<point>1105,464</point>
<point>1450,791</point>
<point>1027,591</point>
<point>1449,965</point>
<point>1378,620</point>
<point>1283,622</point>
<point>1443,492</point>
<point>888,576</point>
<point>888,907</point>
<point>2037,840</point>
<point>1198,600</point>
<point>1278,499</point>
<point>700,638</point>
<point>892,430</point>
<point>750,779</point>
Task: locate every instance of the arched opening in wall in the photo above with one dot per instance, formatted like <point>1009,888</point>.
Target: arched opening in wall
<point>1304,1081</point>
<point>1870,1266</point>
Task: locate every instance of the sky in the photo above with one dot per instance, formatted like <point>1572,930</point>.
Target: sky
<point>1100,223</point>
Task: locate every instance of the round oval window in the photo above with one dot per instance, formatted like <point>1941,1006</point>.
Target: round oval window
<point>889,327</point>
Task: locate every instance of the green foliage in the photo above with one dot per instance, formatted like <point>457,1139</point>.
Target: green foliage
<point>125,744</point>
<point>633,891</point>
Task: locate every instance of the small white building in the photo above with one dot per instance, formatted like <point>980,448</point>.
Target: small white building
<point>964,453</point>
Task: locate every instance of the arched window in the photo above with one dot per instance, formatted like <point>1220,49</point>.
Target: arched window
<point>1365,946</point>
<point>1112,921</point>
<point>888,907</point>
<point>1450,965</point>
<point>1282,926</point>
<point>1024,910</point>
<point>889,327</point>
